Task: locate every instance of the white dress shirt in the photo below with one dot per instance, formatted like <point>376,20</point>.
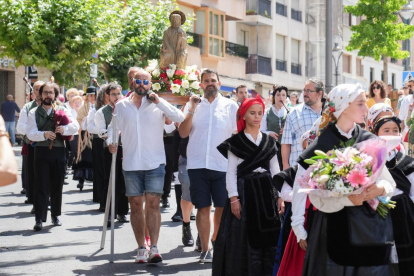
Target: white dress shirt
<point>287,192</point>
<point>404,110</point>
<point>22,122</point>
<point>100,124</point>
<point>330,204</point>
<point>90,121</point>
<point>142,132</point>
<point>212,124</point>
<point>34,134</point>
<point>234,161</point>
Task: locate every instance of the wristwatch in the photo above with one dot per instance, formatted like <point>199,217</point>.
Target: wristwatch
<point>4,133</point>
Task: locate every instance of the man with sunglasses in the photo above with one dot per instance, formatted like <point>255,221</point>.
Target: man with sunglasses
<point>131,81</point>
<point>141,118</point>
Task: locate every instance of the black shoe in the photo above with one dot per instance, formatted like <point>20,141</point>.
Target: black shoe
<point>122,218</point>
<point>108,224</point>
<point>56,221</point>
<point>38,226</point>
<point>165,203</point>
<point>66,176</point>
<point>198,244</point>
<point>23,192</point>
<point>65,183</point>
<point>32,211</point>
<point>192,216</point>
<point>177,217</point>
<point>80,186</point>
<point>28,202</point>
<point>101,209</point>
<point>187,238</point>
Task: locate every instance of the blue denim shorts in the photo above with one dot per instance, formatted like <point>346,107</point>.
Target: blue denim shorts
<point>137,183</point>
<point>184,179</point>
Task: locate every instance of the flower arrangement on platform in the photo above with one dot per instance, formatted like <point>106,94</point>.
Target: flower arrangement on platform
<point>347,171</point>
<point>178,81</point>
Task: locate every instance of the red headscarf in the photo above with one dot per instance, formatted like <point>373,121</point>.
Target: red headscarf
<point>246,104</point>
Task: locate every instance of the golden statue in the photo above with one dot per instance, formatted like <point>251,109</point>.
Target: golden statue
<point>174,45</point>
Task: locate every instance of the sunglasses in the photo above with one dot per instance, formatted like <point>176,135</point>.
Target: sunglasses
<point>405,87</point>
<point>376,87</point>
<point>139,81</point>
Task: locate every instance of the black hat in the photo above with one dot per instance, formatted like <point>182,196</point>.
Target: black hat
<point>91,90</point>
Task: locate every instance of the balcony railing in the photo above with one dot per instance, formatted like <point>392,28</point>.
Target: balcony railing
<point>237,50</point>
<point>198,41</point>
<point>296,15</point>
<point>281,65</point>
<point>296,69</point>
<point>261,7</point>
<point>281,9</point>
<point>259,65</point>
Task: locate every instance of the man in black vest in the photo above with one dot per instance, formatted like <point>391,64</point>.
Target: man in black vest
<point>49,152</point>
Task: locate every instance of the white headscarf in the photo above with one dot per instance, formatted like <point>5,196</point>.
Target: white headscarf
<point>374,111</point>
<point>338,100</point>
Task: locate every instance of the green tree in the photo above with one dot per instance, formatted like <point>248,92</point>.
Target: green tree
<point>60,35</point>
<point>379,32</point>
<point>139,39</point>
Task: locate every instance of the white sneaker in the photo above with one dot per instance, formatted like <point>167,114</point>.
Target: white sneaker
<point>142,256</point>
<point>153,255</point>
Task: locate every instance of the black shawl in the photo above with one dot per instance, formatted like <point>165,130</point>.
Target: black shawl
<point>287,176</point>
<point>401,166</point>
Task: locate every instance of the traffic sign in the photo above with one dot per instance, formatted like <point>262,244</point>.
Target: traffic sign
<point>407,76</point>
<point>94,70</point>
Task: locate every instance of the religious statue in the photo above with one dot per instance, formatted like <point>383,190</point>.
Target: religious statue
<point>174,46</point>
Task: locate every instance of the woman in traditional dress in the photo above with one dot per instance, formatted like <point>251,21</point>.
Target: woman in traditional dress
<point>376,112</point>
<point>377,94</point>
<point>250,225</point>
<point>347,237</point>
<point>401,168</point>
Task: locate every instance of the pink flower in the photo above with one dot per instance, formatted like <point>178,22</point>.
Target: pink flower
<point>303,180</point>
<point>358,178</point>
<point>373,203</point>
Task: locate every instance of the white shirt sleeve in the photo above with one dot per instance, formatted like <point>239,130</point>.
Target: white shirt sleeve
<point>73,127</point>
<point>170,111</point>
<point>90,125</point>
<point>411,178</point>
<point>231,175</point>
<point>169,128</point>
<point>22,122</point>
<point>298,209</point>
<point>234,108</point>
<point>286,193</point>
<point>111,129</point>
<point>263,124</point>
<point>274,166</point>
<point>32,131</point>
<point>100,125</point>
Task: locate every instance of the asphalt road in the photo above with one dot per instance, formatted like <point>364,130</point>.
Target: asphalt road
<point>74,248</point>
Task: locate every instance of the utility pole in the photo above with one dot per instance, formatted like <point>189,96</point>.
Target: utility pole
<point>328,49</point>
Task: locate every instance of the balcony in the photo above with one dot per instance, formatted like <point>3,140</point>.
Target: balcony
<point>281,65</point>
<point>259,65</point>
<point>296,69</point>
<point>296,15</point>
<point>259,7</point>
<point>237,50</point>
<point>281,9</point>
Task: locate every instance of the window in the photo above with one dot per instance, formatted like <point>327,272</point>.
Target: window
<point>346,18</point>
<point>296,13</point>
<point>393,79</point>
<point>371,74</point>
<point>346,64</point>
<point>281,9</point>
<point>359,68</point>
<point>280,53</point>
<point>210,26</point>
<point>295,55</point>
<point>382,75</point>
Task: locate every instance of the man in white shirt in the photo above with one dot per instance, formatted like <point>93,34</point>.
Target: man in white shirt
<point>241,93</point>
<point>28,160</point>
<point>405,105</point>
<point>141,119</point>
<point>208,122</point>
<point>49,153</point>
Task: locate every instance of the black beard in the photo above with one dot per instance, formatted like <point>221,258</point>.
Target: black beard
<point>141,90</point>
<point>210,92</point>
<point>47,101</point>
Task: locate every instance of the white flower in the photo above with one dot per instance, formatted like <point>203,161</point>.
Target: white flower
<point>156,73</point>
<point>323,179</point>
<point>195,85</point>
<point>173,66</point>
<point>175,88</point>
<point>170,73</point>
<point>152,65</point>
<point>185,84</point>
<point>192,76</point>
<point>156,86</point>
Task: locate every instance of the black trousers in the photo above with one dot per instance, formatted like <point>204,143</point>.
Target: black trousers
<point>24,172</point>
<point>98,171</point>
<point>169,166</point>
<point>30,176</point>
<point>121,201</point>
<point>49,165</point>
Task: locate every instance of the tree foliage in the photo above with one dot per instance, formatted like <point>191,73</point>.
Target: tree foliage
<point>379,33</point>
<point>59,35</point>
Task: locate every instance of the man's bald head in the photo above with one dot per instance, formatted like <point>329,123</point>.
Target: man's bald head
<point>9,97</point>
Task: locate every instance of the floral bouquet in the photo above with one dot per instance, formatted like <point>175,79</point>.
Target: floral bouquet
<point>347,171</point>
<point>61,119</point>
<point>178,81</point>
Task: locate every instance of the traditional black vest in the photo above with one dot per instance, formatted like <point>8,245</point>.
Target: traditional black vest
<point>46,122</point>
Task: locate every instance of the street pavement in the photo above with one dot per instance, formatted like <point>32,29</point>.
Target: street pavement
<point>74,247</point>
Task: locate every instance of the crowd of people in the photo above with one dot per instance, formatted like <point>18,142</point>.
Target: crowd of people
<point>240,155</point>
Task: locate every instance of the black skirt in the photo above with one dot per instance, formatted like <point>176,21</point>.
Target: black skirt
<point>403,224</point>
<point>243,247</point>
<point>84,168</point>
<point>318,262</point>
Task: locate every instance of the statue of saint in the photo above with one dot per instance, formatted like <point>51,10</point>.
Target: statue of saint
<point>174,46</point>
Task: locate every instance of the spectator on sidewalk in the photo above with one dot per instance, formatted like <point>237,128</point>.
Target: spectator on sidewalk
<point>8,111</point>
